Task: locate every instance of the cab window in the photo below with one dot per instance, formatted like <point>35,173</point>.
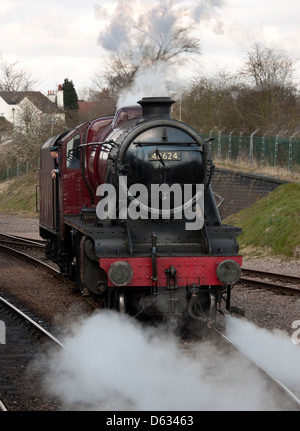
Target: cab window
<point>73,153</point>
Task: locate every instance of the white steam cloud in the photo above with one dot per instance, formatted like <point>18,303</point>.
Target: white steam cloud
<point>147,29</point>
<point>113,363</point>
<point>150,81</point>
<point>123,18</point>
<point>273,350</point>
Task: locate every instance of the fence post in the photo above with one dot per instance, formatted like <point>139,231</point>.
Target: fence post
<point>230,145</point>
<point>291,152</point>
<point>263,149</point>
<point>219,144</point>
<point>209,141</point>
<point>251,147</point>
<point>276,150</point>
<point>240,145</point>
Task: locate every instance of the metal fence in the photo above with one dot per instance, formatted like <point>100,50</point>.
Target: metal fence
<point>20,169</point>
<point>263,150</point>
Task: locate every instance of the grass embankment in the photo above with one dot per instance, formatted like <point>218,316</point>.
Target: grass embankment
<point>272,225</point>
<point>17,196</point>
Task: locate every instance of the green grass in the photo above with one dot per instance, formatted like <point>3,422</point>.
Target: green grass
<point>272,225</point>
<point>17,196</point>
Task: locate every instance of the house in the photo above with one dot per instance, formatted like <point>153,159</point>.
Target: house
<point>86,110</point>
<point>57,96</point>
<point>28,109</point>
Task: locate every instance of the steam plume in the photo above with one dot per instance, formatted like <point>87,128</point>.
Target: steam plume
<point>113,363</point>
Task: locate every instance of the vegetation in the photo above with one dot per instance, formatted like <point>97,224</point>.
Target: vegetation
<point>70,95</point>
<point>70,103</point>
<point>261,95</point>
<point>15,77</point>
<point>17,196</point>
<point>272,225</point>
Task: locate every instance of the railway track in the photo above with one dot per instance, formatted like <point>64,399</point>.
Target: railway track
<point>25,337</point>
<point>13,244</point>
<point>21,241</point>
<point>15,394</point>
<point>279,283</point>
<point>286,396</point>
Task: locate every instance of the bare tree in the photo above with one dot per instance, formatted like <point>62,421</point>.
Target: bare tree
<point>262,101</point>
<point>14,77</point>
<point>266,67</point>
<point>161,34</point>
<point>118,72</point>
<point>211,103</point>
<point>27,116</point>
<point>24,144</point>
<point>270,94</point>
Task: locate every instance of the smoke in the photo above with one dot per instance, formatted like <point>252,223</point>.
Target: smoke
<point>158,35</point>
<point>151,81</point>
<point>206,8</point>
<point>121,19</point>
<point>118,23</point>
<point>113,363</point>
<point>274,350</point>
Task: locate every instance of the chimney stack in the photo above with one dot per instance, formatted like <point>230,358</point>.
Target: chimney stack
<point>60,97</point>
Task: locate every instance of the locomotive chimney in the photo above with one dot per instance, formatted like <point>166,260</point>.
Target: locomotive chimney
<point>156,107</point>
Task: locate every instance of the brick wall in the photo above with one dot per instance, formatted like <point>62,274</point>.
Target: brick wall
<point>240,190</point>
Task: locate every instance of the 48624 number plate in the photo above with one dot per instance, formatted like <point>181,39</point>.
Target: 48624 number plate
<point>164,155</point>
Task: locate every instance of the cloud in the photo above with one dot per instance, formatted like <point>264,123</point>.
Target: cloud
<point>55,42</point>
<point>68,30</point>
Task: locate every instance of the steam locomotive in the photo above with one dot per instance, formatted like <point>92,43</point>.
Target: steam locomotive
<point>131,216</point>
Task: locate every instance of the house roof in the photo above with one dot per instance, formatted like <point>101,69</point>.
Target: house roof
<point>36,97</point>
<point>86,107</point>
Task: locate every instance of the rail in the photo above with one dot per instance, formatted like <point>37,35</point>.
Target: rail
<point>31,322</point>
<point>294,397</point>
<point>279,283</point>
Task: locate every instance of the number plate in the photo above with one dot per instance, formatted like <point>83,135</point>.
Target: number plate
<point>164,155</point>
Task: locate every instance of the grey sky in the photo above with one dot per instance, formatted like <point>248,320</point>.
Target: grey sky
<point>60,39</point>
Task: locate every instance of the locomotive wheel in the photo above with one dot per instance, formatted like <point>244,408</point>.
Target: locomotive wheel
<point>89,249</point>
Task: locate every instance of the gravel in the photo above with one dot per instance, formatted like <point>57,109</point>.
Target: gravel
<point>53,299</point>
<point>265,308</point>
